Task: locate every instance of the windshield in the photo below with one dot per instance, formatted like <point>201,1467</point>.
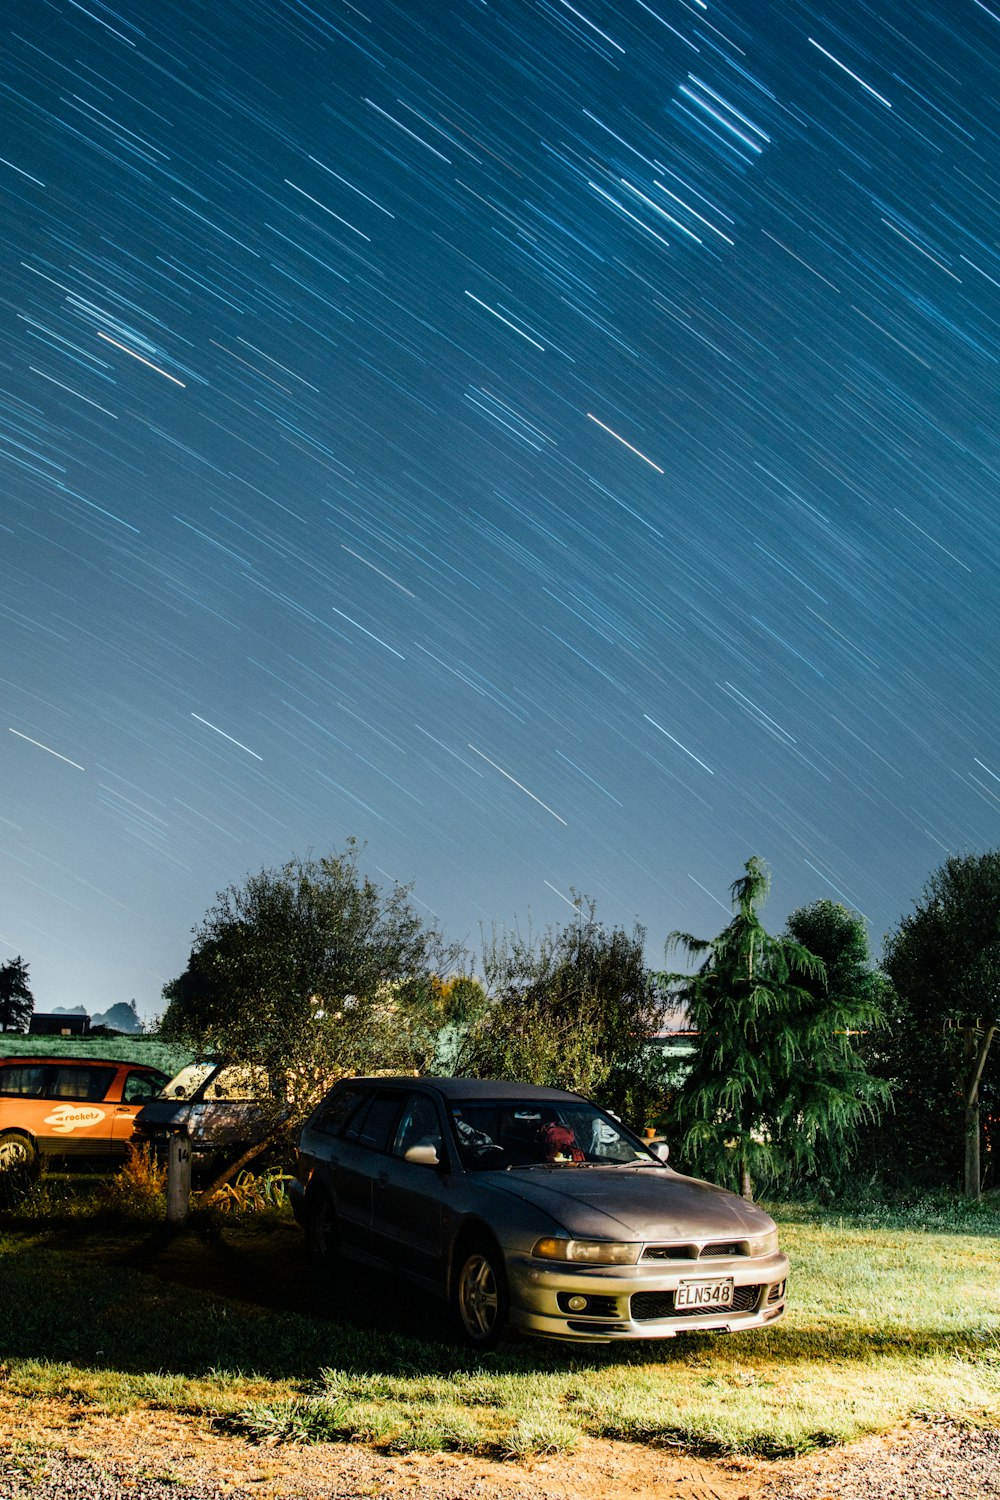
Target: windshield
<point>184,1083</point>
<point>495,1134</point>
<point>231,1081</point>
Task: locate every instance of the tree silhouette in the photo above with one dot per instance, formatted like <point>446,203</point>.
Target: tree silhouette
<point>16,1000</point>
<point>944,960</point>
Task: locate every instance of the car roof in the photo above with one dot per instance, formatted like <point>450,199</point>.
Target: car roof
<point>470,1088</point>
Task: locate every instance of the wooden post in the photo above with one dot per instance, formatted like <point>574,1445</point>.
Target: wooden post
<point>976,1046</point>
<point>178,1176</point>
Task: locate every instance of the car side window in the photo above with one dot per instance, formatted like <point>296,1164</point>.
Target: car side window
<point>141,1086</point>
<point>337,1110</point>
<point>419,1127</point>
<point>25,1080</point>
<point>90,1084</point>
<point>374,1127</point>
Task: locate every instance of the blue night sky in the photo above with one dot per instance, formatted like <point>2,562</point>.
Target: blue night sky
<point>553,443</point>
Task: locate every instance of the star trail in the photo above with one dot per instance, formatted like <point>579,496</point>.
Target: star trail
<point>553,443</point>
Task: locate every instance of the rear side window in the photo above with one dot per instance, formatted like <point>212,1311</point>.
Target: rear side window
<point>375,1126</point>
<point>90,1084</point>
<point>337,1109</point>
<point>25,1080</point>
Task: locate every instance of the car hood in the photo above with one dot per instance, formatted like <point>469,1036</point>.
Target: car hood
<point>633,1203</point>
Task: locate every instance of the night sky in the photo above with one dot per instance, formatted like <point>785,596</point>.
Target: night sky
<point>553,443</point>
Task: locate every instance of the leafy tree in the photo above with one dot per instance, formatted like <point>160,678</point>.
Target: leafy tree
<point>16,1000</point>
<point>575,1008</point>
<point>309,971</point>
<point>944,961</point>
<point>457,1003</point>
<point>848,1018</point>
<point>774,1074</point>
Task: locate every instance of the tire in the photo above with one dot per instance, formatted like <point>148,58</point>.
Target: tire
<point>322,1230</point>
<point>17,1152</point>
<point>480,1299</point>
<point>19,1166</point>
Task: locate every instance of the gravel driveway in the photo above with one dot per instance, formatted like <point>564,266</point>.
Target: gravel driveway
<point>926,1461</point>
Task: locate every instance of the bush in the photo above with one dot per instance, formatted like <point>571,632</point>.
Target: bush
<point>139,1189</point>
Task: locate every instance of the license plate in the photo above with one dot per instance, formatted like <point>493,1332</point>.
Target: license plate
<point>703,1294</point>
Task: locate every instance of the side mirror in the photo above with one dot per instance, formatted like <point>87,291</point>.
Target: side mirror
<point>424,1156</point>
<point>660,1149</point>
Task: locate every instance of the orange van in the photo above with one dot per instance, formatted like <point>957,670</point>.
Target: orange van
<point>70,1107</point>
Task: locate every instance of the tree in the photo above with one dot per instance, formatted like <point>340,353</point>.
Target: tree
<point>774,1074</point>
<point>944,961</point>
<point>574,1008</point>
<point>848,1022</point>
<point>119,1019</point>
<point>309,971</point>
<point>16,1000</point>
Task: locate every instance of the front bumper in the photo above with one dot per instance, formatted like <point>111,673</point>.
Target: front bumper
<point>636,1302</point>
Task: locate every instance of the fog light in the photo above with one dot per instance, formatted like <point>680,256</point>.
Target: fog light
<point>576,1304</point>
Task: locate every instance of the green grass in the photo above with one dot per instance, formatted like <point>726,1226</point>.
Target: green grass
<point>893,1314</point>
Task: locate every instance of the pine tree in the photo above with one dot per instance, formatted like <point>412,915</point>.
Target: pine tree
<point>774,1074</point>
<point>16,1000</point>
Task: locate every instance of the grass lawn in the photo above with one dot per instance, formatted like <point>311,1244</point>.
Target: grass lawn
<point>892,1315</point>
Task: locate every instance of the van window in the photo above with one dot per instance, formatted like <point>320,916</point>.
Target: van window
<point>90,1084</point>
<point>25,1080</point>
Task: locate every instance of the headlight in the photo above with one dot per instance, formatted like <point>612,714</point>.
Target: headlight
<point>588,1252</point>
<point>764,1244</point>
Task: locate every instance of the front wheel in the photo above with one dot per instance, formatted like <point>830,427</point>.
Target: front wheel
<point>481,1300</point>
<point>17,1152</point>
<point>18,1167</point>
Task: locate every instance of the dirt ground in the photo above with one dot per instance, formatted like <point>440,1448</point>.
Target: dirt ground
<point>50,1449</point>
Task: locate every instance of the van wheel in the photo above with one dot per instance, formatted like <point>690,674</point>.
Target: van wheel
<point>481,1301</point>
<point>17,1152</point>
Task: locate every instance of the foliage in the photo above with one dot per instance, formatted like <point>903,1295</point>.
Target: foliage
<point>458,1003</point>
<point>574,1008</point>
<point>16,1000</point>
<point>118,1018</point>
<point>309,971</point>
<point>138,1189</point>
<point>253,1193</point>
<point>851,1003</point>
<point>301,1420</point>
<point>944,963</point>
<point>775,1075</point>
<point>458,1000</point>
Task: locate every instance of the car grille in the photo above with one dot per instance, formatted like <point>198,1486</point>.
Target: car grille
<point>648,1305</point>
<point>695,1252</point>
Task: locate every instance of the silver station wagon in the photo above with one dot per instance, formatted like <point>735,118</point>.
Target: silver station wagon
<point>529,1209</point>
